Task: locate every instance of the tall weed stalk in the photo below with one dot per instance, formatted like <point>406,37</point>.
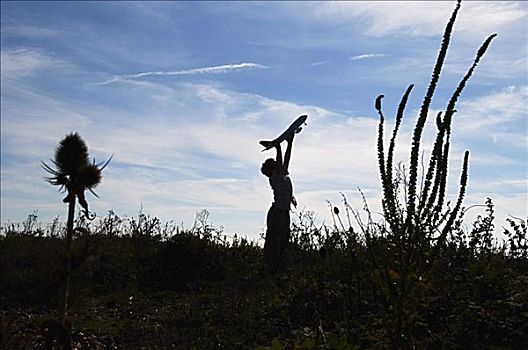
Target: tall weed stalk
<point>418,224</point>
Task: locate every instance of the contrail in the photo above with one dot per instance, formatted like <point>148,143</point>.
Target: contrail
<point>222,69</point>
<point>368,55</point>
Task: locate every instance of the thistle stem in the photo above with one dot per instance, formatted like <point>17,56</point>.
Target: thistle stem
<point>68,266</point>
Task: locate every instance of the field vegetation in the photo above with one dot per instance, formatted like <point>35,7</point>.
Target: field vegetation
<point>148,285</point>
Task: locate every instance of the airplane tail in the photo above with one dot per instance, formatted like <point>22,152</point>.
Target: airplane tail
<point>267,145</point>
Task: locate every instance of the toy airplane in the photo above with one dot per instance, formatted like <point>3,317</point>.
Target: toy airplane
<point>295,127</point>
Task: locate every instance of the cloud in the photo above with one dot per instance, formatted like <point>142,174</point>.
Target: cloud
<point>175,166</point>
<point>320,63</point>
<point>197,147</point>
<point>222,69</point>
<point>18,63</point>
<point>365,56</point>
<point>500,116</point>
<point>29,31</point>
<point>420,18</point>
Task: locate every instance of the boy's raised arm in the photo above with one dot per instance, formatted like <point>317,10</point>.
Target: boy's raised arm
<point>287,155</point>
<point>279,155</point>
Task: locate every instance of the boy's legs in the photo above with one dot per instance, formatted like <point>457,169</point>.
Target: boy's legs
<point>277,238</point>
<point>271,241</point>
<point>284,237</point>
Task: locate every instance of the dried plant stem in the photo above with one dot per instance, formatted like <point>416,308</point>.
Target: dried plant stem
<point>63,303</point>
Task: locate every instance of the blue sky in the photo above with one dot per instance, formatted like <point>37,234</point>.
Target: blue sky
<point>180,93</point>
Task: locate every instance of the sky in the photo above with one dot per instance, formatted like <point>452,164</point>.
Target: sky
<point>180,93</point>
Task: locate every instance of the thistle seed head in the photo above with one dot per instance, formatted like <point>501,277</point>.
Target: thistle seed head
<point>71,155</point>
<point>90,176</point>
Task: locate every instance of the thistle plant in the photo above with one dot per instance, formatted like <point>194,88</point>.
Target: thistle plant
<point>73,173</point>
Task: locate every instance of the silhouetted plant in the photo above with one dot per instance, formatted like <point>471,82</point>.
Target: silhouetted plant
<point>517,238</point>
<point>74,174</point>
<point>481,235</point>
<point>110,225</point>
<point>417,228</point>
<point>31,225</point>
<point>145,225</point>
<point>305,234</point>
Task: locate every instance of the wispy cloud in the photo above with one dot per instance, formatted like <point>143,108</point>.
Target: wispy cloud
<point>319,63</point>
<point>496,112</point>
<point>175,166</point>
<point>222,69</point>
<point>419,18</point>
<point>28,31</point>
<point>17,63</point>
<point>365,56</point>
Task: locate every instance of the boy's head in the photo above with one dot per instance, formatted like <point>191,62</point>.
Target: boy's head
<point>268,166</point>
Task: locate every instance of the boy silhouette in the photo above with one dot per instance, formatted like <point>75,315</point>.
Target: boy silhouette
<point>278,218</point>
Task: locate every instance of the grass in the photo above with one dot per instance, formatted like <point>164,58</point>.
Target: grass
<point>193,290</point>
